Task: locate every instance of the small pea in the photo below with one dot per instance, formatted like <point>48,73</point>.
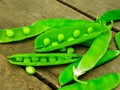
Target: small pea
<point>26,60</point>
<point>70,39</point>
<point>90,29</point>
<point>26,30</point>
<point>62,49</point>
<point>30,70</point>
<point>52,59</point>
<point>54,44</point>
<point>70,50</point>
<point>10,33</point>
<point>46,41</point>
<point>35,59</point>
<point>19,59</point>
<point>76,33</point>
<point>43,59</point>
<point>60,37</point>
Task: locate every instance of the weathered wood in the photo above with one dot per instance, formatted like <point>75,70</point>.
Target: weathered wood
<point>15,78</point>
<point>94,8</point>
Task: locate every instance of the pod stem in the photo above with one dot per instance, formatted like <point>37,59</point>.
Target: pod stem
<point>79,81</point>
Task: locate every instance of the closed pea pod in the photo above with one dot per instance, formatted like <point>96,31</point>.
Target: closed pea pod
<point>78,32</point>
<point>108,56</point>
<point>104,82</point>
<point>93,55</point>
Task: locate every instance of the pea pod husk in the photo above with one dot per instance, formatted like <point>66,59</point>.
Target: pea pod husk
<point>109,55</point>
<point>117,40</point>
<point>109,16</point>
<point>104,82</point>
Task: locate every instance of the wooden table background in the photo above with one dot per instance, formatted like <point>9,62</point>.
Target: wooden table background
<point>19,13</point>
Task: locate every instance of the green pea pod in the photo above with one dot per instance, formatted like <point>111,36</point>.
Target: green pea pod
<point>108,56</point>
<point>93,55</point>
<point>78,32</point>
<point>104,82</point>
<point>109,16</point>
<point>117,40</point>
<point>43,59</point>
<point>17,34</point>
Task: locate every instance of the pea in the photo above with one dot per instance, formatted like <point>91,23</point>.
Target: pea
<point>44,59</point>
<point>9,33</point>
<point>26,30</point>
<point>117,40</point>
<point>104,82</point>
<point>30,70</point>
<point>69,35</point>
<point>68,71</point>
<point>70,50</point>
<point>94,54</point>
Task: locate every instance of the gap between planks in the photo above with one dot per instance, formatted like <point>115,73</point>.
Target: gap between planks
<point>82,12</point>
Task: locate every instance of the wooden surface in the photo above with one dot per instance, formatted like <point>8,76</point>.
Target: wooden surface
<point>18,13</point>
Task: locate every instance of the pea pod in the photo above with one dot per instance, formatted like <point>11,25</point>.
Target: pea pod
<point>108,56</point>
<point>21,33</point>
<point>104,82</point>
<point>78,32</point>
<point>43,59</point>
<point>117,40</point>
<point>109,16</point>
<point>93,55</point>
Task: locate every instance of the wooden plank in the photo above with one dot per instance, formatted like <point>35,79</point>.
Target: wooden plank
<point>14,78</point>
<point>95,8</point>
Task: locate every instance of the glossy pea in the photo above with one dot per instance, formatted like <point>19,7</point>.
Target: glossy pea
<point>30,70</point>
<point>21,33</point>
<point>104,82</point>
<point>68,71</point>
<point>117,40</point>
<point>94,54</point>
<point>48,59</point>
<point>76,33</point>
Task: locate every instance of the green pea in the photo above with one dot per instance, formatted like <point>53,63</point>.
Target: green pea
<point>46,41</point>
<point>30,70</point>
<point>62,49</point>
<point>60,37</point>
<point>26,30</point>
<point>94,54</point>
<point>9,33</point>
<point>19,59</point>
<point>70,50</point>
<point>54,44</point>
<point>104,82</point>
<point>90,29</point>
<point>68,71</point>
<point>46,59</point>
<point>76,33</point>
<point>117,40</point>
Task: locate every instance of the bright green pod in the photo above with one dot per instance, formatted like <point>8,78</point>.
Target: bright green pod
<point>104,82</point>
<point>76,33</point>
<point>48,59</point>
<point>21,33</point>
<point>94,54</point>
<point>117,40</point>
<point>68,71</point>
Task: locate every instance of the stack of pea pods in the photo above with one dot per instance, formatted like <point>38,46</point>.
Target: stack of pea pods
<point>60,34</point>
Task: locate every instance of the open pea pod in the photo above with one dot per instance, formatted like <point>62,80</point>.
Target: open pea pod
<point>57,38</point>
<point>21,33</point>
<point>43,59</point>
